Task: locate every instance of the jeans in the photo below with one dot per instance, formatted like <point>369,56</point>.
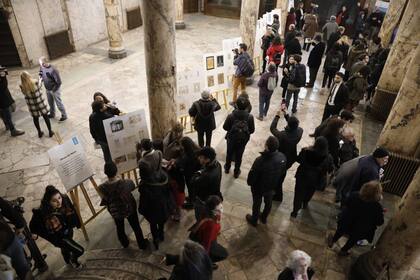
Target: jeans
<point>256,205</point>
<point>200,136</point>
<point>133,220</point>
<point>312,75</point>
<point>7,118</point>
<point>19,262</point>
<point>54,97</point>
<point>295,94</point>
<point>264,104</point>
<point>238,81</point>
<point>234,152</point>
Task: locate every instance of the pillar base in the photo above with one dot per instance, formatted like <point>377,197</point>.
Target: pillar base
<point>382,103</point>
<point>180,25</point>
<point>117,54</point>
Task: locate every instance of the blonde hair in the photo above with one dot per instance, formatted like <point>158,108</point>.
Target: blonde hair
<point>28,84</point>
<point>371,191</point>
<point>344,39</point>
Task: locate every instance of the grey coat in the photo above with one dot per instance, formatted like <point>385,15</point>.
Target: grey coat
<point>329,28</point>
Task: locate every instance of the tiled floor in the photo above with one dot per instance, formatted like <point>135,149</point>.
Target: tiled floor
<point>255,253</point>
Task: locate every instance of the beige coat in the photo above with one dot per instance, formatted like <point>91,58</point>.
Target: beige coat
<point>311,26</point>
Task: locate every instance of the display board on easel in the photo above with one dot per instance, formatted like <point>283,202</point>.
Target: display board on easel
<point>215,73</point>
<point>190,84</point>
<point>70,161</point>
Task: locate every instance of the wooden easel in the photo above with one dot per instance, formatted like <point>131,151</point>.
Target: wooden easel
<point>74,195</point>
<point>131,174</point>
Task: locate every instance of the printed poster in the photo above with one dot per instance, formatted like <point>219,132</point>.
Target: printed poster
<point>70,161</point>
<point>215,77</point>
<point>123,133</point>
<point>190,84</point>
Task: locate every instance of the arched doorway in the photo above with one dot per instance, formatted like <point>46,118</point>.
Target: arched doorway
<point>9,55</point>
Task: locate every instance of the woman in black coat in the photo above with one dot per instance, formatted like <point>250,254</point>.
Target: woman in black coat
<point>314,163</point>
<point>332,134</point>
<point>193,263</point>
<point>54,221</point>
<point>156,202</point>
<point>361,215</point>
<point>285,80</point>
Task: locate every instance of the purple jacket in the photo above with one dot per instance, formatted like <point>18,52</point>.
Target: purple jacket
<point>263,82</point>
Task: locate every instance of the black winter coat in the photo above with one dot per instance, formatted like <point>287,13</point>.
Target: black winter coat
<point>293,47</point>
<point>341,97</point>
<point>96,126</point>
<point>203,112</point>
<point>14,217</point>
<point>287,274</point>
<point>266,172</point>
<point>312,169</point>
<point>315,56</point>
<point>334,37</point>
<point>367,170</point>
<point>333,147</point>
<point>66,216</point>
<point>288,140</point>
<point>6,99</point>
<point>238,115</point>
<point>360,218</point>
<point>206,182</point>
<point>183,271</point>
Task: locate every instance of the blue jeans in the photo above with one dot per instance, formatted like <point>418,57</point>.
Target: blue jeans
<point>7,118</point>
<point>54,97</point>
<point>264,104</point>
<point>19,262</point>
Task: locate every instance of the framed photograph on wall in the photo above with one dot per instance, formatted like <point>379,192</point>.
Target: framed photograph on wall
<point>210,62</point>
<point>210,81</point>
<point>220,78</point>
<point>220,62</point>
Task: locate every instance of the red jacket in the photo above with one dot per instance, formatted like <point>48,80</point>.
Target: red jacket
<point>272,50</point>
<point>208,232</point>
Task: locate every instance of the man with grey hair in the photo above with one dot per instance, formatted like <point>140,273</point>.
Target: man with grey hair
<point>329,28</point>
<point>52,82</point>
<point>202,111</point>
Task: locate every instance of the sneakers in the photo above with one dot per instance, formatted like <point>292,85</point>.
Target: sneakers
<point>62,119</point>
<point>17,132</point>
<point>250,220</point>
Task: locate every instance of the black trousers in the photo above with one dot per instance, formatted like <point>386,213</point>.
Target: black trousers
<point>217,252</point>
<point>256,205</point>
<point>264,62</point>
<point>279,190</point>
<point>328,75</point>
<point>350,242</point>
<point>234,152</point>
<point>200,136</point>
<point>47,122</point>
<point>7,118</point>
<point>105,151</point>
<point>330,111</point>
<point>157,231</point>
<point>303,194</point>
<point>312,75</point>
<point>133,220</point>
<point>70,249</point>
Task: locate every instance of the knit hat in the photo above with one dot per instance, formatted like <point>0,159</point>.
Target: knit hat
<point>207,152</point>
<point>380,152</point>
<point>205,94</point>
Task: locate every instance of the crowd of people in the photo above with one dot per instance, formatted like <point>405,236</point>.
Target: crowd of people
<point>177,173</point>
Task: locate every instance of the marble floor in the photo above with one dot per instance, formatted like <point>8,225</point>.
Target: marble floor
<point>255,253</point>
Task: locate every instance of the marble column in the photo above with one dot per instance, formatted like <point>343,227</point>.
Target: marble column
<point>391,20</point>
<point>283,4</point>
<point>402,51</point>
<point>401,132</point>
<point>116,48</point>
<point>399,244</point>
<point>248,23</point>
<point>179,16</point>
<point>159,19</point>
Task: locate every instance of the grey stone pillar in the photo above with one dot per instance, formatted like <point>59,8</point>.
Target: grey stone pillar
<point>248,23</point>
<point>283,4</point>
<point>402,51</point>
<point>179,16</point>
<point>159,45</point>
<point>391,20</point>
<point>116,48</point>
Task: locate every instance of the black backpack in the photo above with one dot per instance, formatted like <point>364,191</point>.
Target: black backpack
<point>335,62</point>
<point>239,132</point>
<point>299,79</point>
<point>248,68</point>
<point>277,57</point>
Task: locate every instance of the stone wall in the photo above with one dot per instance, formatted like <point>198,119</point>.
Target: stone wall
<point>38,18</point>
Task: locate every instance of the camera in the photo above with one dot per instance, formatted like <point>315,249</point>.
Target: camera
<point>236,51</point>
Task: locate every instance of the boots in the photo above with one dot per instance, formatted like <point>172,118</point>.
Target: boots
<point>16,132</point>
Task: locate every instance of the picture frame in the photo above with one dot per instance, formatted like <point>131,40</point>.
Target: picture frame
<point>210,62</point>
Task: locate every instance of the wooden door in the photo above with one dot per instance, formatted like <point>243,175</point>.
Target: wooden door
<point>9,55</point>
<point>191,6</point>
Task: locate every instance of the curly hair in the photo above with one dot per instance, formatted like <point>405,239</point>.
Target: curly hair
<point>371,191</point>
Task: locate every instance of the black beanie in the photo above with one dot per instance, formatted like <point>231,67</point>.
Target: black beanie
<point>207,152</point>
<point>380,152</point>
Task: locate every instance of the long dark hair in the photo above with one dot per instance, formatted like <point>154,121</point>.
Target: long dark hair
<point>50,191</point>
<point>333,127</point>
<point>106,100</point>
<point>320,146</point>
<point>189,146</point>
<point>196,261</point>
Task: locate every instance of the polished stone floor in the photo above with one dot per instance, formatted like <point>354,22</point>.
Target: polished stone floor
<point>255,253</point>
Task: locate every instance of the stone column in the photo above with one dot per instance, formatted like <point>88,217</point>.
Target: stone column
<point>179,16</point>
<point>116,48</point>
<point>248,23</point>
<point>158,16</point>
<point>401,132</point>
<point>399,244</point>
<point>402,51</point>
<point>391,20</point>
<point>283,5</point>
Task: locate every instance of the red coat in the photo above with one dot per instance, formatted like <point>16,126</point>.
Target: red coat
<point>291,19</point>
<point>208,232</point>
<point>273,49</point>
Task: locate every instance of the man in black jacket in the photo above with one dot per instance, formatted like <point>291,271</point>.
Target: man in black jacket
<point>314,60</point>
<point>337,97</point>
<point>96,127</point>
<point>203,113</point>
<point>334,37</point>
<point>239,126</point>
<point>288,140</point>
<point>264,177</point>
<point>9,243</point>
